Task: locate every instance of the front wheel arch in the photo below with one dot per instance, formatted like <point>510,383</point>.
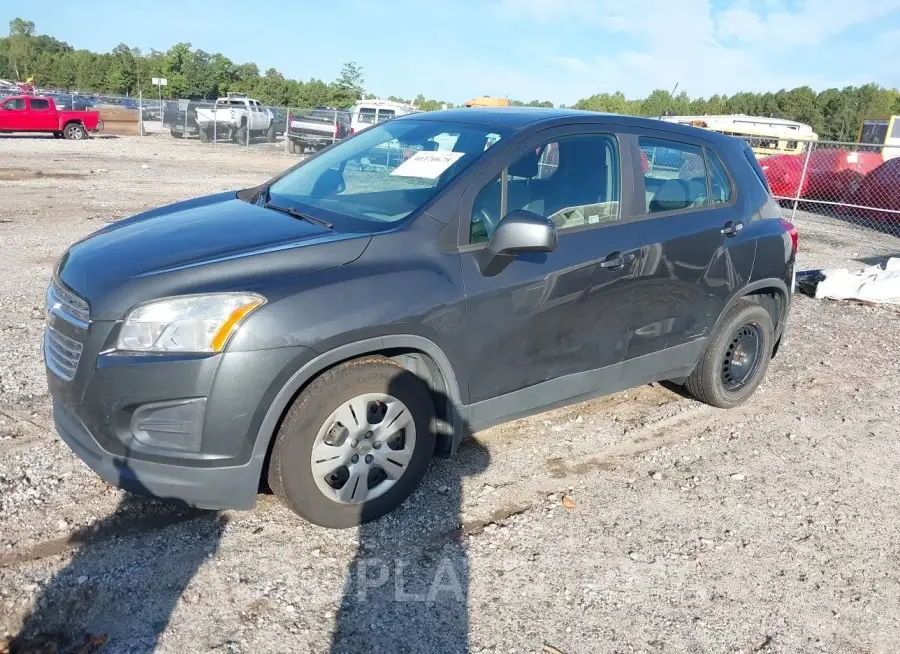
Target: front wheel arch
<point>421,356</point>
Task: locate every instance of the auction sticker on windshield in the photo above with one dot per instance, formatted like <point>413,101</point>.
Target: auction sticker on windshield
<point>427,164</point>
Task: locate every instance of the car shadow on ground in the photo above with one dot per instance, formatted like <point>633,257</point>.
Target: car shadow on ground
<point>79,610</point>
<point>407,588</point>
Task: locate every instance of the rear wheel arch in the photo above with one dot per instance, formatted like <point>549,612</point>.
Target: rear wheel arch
<point>419,355</point>
<point>771,293</point>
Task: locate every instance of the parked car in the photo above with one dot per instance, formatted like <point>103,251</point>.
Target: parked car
<point>28,113</point>
<point>180,117</point>
<point>877,197</point>
<point>236,118</point>
<point>831,173</point>
<point>329,331</point>
<point>371,112</point>
<point>317,128</point>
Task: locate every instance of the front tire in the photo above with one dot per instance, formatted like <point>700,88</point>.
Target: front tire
<point>354,444</point>
<point>736,358</point>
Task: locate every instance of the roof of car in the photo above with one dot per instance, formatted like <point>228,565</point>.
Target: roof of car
<point>514,118</point>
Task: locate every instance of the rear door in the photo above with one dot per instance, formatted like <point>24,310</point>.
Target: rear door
<point>41,115</point>
<point>551,326</point>
<point>695,250</point>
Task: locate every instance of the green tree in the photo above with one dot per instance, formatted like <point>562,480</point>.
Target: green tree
<point>348,87</point>
<point>20,35</point>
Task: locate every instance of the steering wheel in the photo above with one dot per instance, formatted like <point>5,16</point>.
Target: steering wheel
<point>490,225</point>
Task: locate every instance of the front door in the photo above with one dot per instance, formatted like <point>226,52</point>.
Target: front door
<point>551,326</point>
<point>12,114</point>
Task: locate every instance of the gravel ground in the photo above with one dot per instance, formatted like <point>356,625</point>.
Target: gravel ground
<point>642,521</point>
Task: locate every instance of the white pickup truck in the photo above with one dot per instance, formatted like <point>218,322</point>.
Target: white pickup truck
<point>235,118</point>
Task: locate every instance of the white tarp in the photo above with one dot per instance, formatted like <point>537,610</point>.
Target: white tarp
<point>874,284</point>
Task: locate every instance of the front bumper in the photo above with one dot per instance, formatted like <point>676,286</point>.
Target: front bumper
<point>185,427</point>
<point>233,487</point>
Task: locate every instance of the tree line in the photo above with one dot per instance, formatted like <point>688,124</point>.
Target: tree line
<point>193,73</point>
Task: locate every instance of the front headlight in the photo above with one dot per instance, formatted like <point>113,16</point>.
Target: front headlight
<point>189,323</point>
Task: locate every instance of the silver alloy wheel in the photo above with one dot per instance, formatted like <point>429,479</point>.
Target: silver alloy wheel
<point>363,448</point>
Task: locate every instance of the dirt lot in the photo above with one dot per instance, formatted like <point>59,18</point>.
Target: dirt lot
<point>639,522</point>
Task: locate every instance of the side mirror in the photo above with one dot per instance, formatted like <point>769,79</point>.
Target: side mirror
<point>519,231</point>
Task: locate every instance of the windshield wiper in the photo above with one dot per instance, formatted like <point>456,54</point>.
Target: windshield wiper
<point>290,211</point>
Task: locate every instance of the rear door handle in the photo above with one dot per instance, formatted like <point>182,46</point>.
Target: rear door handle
<point>731,228</point>
<point>617,260</point>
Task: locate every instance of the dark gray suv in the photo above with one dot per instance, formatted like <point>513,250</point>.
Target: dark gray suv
<point>330,331</point>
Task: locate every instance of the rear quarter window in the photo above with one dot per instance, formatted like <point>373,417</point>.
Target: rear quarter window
<point>754,164</point>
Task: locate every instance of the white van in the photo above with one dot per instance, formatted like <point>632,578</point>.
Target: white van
<point>368,112</point>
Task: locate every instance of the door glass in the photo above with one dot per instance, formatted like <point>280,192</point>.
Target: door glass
<point>39,104</point>
<point>574,181</point>
<point>675,177</point>
<point>18,103</point>
<point>719,183</point>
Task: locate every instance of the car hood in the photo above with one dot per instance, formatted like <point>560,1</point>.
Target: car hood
<point>214,243</point>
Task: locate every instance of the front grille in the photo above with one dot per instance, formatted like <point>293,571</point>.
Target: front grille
<point>68,306</point>
<point>61,353</point>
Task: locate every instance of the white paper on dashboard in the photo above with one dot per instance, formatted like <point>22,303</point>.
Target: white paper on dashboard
<point>427,164</point>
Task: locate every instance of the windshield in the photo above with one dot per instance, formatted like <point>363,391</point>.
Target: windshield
<point>386,172</point>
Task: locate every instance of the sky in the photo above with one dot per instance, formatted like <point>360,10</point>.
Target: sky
<point>557,50</point>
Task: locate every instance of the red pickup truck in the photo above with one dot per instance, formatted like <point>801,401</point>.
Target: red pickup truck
<point>29,113</point>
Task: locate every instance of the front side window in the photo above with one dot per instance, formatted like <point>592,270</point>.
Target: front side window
<point>386,114</point>
<point>367,116</point>
<point>573,181</point>
<point>387,171</point>
<point>15,104</point>
<point>39,104</point>
<point>675,177</point>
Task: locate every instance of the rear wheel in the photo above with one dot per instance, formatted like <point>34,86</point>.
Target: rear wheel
<point>176,134</point>
<point>241,135</point>
<point>75,132</point>
<point>736,358</point>
<point>354,444</point>
<point>270,133</point>
<point>204,136</point>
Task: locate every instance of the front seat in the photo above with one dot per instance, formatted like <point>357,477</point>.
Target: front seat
<point>672,194</point>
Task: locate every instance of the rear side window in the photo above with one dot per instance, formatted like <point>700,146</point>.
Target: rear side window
<point>675,177</point>
<point>719,183</point>
<point>40,104</point>
<point>754,164</point>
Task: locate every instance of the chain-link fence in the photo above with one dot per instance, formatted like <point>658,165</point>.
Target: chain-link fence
<point>857,183</point>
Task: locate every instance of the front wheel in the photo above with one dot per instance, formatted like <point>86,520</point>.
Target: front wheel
<point>75,132</point>
<point>354,444</point>
<point>736,358</point>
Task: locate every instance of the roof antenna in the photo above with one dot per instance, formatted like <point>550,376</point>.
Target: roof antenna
<point>671,96</point>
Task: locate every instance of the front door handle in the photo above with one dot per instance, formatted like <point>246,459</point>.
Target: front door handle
<point>731,228</point>
<point>617,260</point>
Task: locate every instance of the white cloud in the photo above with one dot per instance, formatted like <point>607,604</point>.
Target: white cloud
<point>707,47</point>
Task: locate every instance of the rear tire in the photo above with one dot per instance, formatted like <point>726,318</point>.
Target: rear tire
<point>270,134</point>
<point>175,134</point>
<point>204,136</point>
<point>75,132</point>
<point>317,497</point>
<point>736,358</point>
<point>241,135</point>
